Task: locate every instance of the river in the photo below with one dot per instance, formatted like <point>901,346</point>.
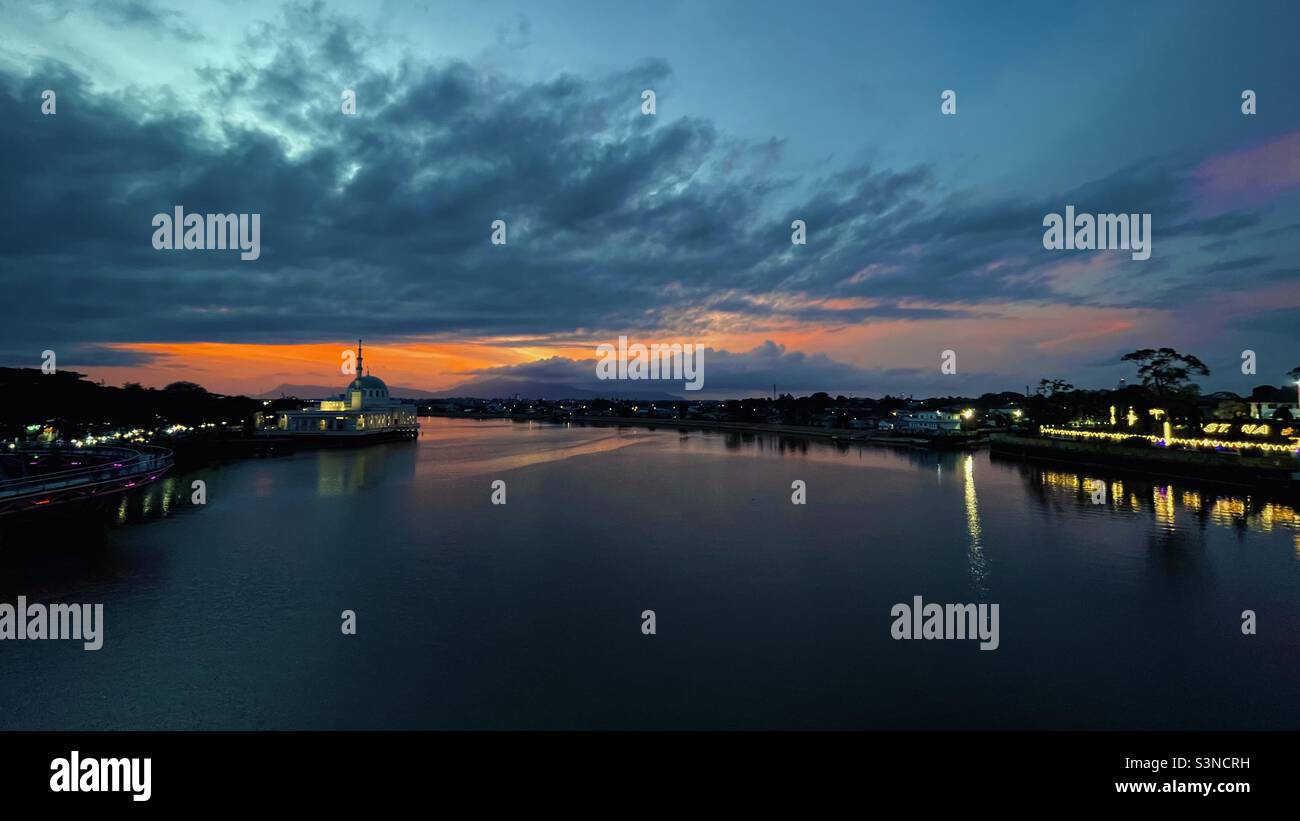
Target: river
<point>768,614</point>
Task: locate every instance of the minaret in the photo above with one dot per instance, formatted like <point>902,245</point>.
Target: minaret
<point>360,370</point>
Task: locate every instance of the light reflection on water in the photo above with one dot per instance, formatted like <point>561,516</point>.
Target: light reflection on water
<point>457,450</point>
<point>977,564</point>
<point>451,450</point>
<point>1171,505</point>
<point>225,615</point>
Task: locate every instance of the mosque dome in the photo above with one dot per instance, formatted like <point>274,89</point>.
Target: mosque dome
<point>368,383</point>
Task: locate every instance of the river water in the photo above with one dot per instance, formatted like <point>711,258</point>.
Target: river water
<point>1120,615</point>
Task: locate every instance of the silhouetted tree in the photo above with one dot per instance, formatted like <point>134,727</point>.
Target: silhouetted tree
<point>185,387</point>
<point>1166,370</point>
<point>1051,387</point>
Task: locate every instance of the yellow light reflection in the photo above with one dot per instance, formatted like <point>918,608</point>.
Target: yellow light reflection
<point>977,562</point>
<point>1163,501</point>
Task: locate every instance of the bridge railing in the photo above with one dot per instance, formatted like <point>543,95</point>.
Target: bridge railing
<point>109,463</point>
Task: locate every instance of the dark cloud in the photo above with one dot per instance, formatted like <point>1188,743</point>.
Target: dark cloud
<point>77,356</point>
<point>154,18</point>
<point>725,373</point>
<point>1238,264</point>
<point>1280,321</point>
<point>378,224</point>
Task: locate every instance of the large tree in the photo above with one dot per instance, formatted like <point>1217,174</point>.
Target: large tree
<point>1165,370</point>
<point>1051,387</point>
<point>185,387</point>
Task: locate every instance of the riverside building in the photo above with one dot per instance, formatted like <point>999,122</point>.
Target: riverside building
<point>363,412</point>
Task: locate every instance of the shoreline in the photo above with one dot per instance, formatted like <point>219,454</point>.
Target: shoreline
<point>1266,474</point>
<point>1217,469</point>
<point>1235,472</point>
<point>962,442</point>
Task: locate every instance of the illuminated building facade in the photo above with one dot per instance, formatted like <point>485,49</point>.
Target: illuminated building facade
<point>363,411</point>
<point>929,422</point>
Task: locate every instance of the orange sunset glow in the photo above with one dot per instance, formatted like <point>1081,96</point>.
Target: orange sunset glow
<point>434,365</point>
<point>253,368</point>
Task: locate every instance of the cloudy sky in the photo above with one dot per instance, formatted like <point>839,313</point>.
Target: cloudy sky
<point>924,230</point>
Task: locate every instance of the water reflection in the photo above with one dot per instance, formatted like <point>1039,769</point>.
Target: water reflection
<point>976,552</point>
<point>496,449</point>
<point>150,503</point>
<point>1171,506</point>
<point>339,472</point>
<point>1144,585</point>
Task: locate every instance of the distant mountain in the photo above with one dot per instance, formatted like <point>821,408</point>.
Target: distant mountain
<point>328,392</point>
<point>488,388</point>
<point>533,389</point>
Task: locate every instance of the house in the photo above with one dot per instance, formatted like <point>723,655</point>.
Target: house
<point>929,422</point>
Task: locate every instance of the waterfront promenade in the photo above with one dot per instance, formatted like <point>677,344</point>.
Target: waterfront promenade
<point>32,478</point>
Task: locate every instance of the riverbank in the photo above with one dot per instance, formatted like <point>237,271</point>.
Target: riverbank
<point>1230,469</point>
<point>754,595</point>
<point>1275,473</point>
<point>960,441</point>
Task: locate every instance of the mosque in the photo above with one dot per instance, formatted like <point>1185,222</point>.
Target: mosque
<point>362,413</point>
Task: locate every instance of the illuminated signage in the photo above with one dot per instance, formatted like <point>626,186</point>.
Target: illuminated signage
<point>1250,429</point>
